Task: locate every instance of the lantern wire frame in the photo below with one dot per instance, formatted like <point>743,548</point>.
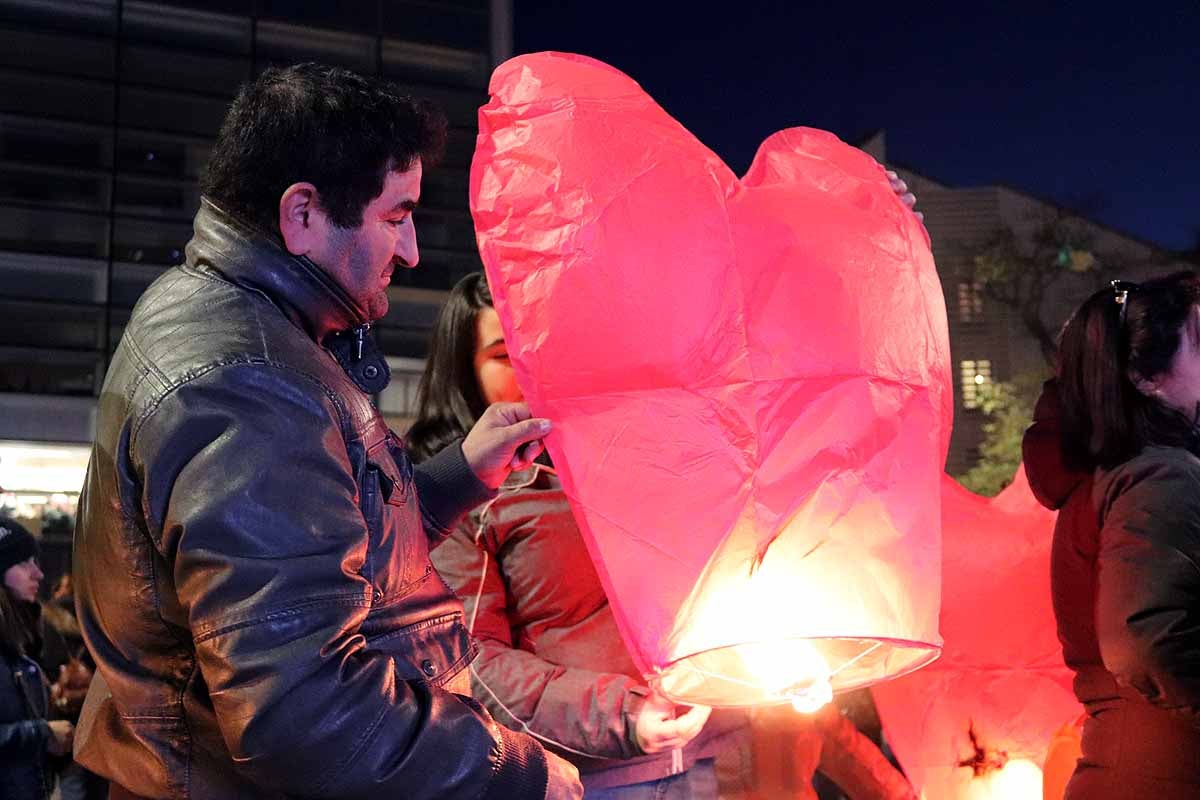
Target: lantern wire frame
<point>733,676</point>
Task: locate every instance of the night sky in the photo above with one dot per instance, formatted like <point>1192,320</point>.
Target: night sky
<point>1091,107</point>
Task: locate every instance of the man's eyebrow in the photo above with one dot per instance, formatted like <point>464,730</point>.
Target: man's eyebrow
<point>404,205</point>
<point>493,343</point>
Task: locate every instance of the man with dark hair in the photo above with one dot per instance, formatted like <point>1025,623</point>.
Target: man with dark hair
<point>252,554</point>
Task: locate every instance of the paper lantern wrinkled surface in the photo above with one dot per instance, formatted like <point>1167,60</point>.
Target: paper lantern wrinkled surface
<point>749,381</point>
<point>1001,677</point>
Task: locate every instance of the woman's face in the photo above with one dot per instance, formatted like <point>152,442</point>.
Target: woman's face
<point>1179,387</point>
<point>497,380</point>
<point>23,580</point>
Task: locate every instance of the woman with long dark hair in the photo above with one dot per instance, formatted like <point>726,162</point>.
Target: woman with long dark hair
<point>26,738</point>
<point>551,661</point>
<point>1114,447</point>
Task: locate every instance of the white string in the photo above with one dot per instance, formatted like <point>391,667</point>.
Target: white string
<point>475,610</point>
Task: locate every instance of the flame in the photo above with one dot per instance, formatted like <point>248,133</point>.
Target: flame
<point>790,669</point>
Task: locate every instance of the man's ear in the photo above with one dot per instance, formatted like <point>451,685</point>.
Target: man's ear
<point>300,219</point>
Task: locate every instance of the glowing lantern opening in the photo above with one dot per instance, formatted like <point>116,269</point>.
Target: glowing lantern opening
<point>749,380</point>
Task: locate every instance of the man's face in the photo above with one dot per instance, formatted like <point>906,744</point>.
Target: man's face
<point>362,259</point>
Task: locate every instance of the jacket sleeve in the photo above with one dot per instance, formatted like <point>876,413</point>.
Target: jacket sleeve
<point>854,763</point>
<point>447,489</point>
<point>250,497</point>
<point>1148,593</point>
<point>576,712</point>
<point>24,740</point>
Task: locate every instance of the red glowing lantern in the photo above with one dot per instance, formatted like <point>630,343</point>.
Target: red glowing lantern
<point>749,380</point>
<point>977,724</point>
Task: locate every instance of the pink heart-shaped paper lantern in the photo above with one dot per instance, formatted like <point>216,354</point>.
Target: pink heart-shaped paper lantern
<point>1001,677</point>
<point>749,381</point>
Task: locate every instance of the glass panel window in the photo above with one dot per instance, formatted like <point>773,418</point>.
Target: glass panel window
<point>359,16</point>
<point>47,231</point>
<point>165,155</point>
<point>171,67</point>
<point>88,56</point>
<point>65,144</point>
<point>54,96</point>
<point>204,28</point>
<point>453,65</point>
<point>85,16</point>
<point>970,301</point>
<point>37,277</point>
<point>975,374</point>
<point>167,111</point>
<point>37,324</point>
<point>55,186</point>
<point>41,371</point>
<point>285,43</point>
<point>143,241</point>
<point>434,24</point>
<point>158,197</point>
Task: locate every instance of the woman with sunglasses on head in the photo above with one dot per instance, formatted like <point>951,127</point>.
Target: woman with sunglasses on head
<point>26,738</point>
<point>551,661</point>
<point>1114,447</point>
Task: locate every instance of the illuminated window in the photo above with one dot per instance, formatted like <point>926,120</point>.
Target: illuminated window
<point>970,301</point>
<point>975,375</point>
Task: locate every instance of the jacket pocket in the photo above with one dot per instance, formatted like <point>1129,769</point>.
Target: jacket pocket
<point>397,558</point>
<point>434,651</point>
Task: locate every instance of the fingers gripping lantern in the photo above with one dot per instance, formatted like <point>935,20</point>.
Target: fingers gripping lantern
<point>749,381</point>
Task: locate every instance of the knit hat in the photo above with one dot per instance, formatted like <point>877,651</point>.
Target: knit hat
<point>16,544</point>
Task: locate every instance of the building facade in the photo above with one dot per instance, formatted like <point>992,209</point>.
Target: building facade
<point>108,109</point>
<point>989,341</point>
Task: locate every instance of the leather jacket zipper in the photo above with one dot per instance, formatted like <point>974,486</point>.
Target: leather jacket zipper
<point>360,334</point>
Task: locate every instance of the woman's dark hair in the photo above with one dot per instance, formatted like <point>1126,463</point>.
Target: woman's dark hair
<point>1105,346</point>
<point>449,401</point>
<point>16,628</point>
<point>340,131</point>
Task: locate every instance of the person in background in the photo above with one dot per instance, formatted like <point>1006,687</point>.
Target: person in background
<point>65,659</point>
<point>27,739</point>
<point>1114,449</point>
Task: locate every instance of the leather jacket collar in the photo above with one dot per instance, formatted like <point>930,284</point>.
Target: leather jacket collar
<point>249,258</point>
<point>300,289</point>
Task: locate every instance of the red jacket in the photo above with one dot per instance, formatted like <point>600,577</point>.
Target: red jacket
<point>551,662</point>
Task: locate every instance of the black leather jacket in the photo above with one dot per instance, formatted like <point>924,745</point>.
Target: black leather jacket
<point>252,559</point>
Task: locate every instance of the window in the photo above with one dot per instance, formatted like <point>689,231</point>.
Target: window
<point>975,375</point>
<point>108,110</point>
<point>970,301</point>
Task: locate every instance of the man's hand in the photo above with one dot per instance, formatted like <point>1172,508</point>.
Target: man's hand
<point>562,779</point>
<point>908,198</point>
<point>62,736</point>
<point>505,438</point>
<point>658,728</point>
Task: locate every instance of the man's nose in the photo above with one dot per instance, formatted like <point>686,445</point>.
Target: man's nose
<point>406,245</point>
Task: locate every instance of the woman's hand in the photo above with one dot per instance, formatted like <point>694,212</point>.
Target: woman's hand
<point>658,729</point>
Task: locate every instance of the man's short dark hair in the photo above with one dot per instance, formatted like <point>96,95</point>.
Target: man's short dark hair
<point>336,129</point>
